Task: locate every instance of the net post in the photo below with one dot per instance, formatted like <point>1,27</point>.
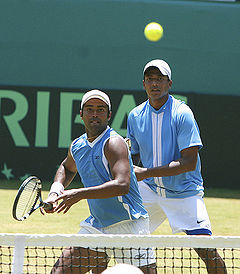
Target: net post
<point>18,254</point>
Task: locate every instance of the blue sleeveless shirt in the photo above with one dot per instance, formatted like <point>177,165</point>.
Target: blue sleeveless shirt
<point>94,170</point>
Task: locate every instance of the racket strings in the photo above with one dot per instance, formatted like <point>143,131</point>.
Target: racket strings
<point>27,199</point>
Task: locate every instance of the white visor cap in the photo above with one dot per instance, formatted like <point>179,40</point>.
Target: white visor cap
<point>161,65</point>
<point>98,94</point>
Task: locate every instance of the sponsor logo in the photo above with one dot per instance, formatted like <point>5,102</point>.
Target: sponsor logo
<point>140,256</point>
<point>200,221</point>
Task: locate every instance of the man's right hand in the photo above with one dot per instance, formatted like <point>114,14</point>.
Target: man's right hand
<point>50,199</point>
<point>140,172</point>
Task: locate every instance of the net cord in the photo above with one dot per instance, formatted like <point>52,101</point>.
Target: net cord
<point>116,241</point>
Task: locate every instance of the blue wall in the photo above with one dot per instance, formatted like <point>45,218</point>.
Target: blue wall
<point>94,43</point>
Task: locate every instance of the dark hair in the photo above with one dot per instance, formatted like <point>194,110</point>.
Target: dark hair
<point>149,69</point>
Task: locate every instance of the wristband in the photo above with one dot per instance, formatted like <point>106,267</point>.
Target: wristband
<point>57,188</point>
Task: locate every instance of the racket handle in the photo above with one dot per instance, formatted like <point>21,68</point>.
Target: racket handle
<point>47,206</point>
<point>128,141</point>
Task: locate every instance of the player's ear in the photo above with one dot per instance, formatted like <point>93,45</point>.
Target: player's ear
<point>80,112</point>
<point>109,115</point>
<point>169,84</point>
<point>143,83</point>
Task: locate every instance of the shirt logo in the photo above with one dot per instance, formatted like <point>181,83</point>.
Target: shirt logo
<point>200,221</point>
<point>140,256</point>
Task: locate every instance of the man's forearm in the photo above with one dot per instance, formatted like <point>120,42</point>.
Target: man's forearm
<point>64,176</point>
<point>172,169</point>
<point>107,190</point>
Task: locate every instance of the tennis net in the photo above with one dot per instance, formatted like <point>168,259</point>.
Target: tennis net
<point>25,253</point>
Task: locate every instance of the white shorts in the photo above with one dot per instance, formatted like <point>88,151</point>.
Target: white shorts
<point>187,215</point>
<point>134,257</point>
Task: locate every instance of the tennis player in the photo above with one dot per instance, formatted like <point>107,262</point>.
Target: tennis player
<point>102,159</point>
<point>165,138</point>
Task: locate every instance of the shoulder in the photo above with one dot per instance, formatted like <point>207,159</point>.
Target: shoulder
<point>138,109</point>
<point>114,138</point>
<point>78,142</point>
<point>180,109</point>
<point>115,145</point>
<point>79,139</point>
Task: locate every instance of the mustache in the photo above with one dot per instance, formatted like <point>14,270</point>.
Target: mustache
<point>95,119</point>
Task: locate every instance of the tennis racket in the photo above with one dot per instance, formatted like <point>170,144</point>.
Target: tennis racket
<point>128,141</point>
<point>29,199</point>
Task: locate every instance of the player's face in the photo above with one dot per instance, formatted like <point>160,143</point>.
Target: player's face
<point>156,85</point>
<point>95,116</point>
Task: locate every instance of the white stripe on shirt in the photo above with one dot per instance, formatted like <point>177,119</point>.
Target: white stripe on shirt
<point>157,120</point>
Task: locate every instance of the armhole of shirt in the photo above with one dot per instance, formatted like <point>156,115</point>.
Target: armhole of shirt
<point>70,148</point>
<point>104,159</point>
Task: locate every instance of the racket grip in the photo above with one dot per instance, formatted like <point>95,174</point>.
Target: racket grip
<point>48,206</point>
<point>128,141</point>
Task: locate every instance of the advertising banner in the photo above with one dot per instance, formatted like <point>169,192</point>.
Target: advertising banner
<point>37,126</point>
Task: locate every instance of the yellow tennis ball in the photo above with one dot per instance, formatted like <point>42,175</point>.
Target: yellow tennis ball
<point>153,31</point>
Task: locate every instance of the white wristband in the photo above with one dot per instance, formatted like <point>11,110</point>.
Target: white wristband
<point>57,188</point>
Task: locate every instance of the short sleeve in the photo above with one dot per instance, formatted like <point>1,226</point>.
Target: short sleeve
<point>130,134</point>
<point>188,134</point>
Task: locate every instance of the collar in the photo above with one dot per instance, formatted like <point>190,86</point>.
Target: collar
<point>91,144</point>
<point>162,108</point>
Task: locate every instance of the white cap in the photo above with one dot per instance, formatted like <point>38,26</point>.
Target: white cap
<point>123,268</point>
<point>98,94</point>
<point>161,65</point>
